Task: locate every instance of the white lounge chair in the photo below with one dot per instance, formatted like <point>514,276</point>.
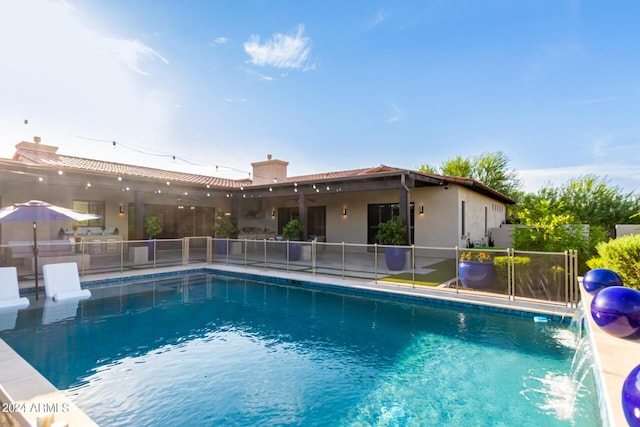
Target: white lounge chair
<point>62,281</point>
<point>9,290</point>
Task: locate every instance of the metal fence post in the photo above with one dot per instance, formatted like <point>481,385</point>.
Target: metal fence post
<point>457,269</point>
<point>313,257</point>
<point>375,262</point>
<point>343,260</point>
<point>413,265</point>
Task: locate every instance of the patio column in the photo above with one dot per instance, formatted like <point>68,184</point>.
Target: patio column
<point>139,203</point>
<point>302,208</point>
<point>405,207</point>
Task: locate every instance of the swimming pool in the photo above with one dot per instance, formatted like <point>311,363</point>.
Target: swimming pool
<point>204,349</point>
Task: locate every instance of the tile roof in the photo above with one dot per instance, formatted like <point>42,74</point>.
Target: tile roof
<point>51,158</point>
<point>44,158</point>
<point>343,174</point>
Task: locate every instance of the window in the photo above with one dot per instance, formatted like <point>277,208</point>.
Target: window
<point>93,207</point>
<point>486,213</point>
<point>383,212</point>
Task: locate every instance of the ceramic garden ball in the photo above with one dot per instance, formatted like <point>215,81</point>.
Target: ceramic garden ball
<point>599,278</point>
<point>616,310</point>
<point>631,397</point>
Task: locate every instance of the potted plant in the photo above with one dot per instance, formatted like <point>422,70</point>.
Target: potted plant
<point>392,233</point>
<point>292,232</point>
<point>476,269</point>
<point>224,228</point>
<point>152,228</point>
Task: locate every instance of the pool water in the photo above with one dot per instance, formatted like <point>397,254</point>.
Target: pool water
<point>202,349</point>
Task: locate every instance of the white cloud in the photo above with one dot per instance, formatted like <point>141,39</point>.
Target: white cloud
<point>378,18</point>
<point>282,51</point>
<point>234,100</point>
<point>220,40</point>
<point>624,176</point>
<point>131,51</point>
<point>396,114</point>
<point>601,100</point>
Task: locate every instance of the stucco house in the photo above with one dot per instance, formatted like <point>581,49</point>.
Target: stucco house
<point>338,206</point>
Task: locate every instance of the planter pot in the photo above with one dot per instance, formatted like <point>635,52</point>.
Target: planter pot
<point>295,249</point>
<point>151,246</point>
<point>476,275</point>
<point>395,257</point>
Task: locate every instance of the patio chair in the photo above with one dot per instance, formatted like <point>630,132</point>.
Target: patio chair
<point>62,281</point>
<point>9,290</point>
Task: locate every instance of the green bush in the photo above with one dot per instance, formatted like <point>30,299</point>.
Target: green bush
<point>152,226</point>
<point>392,232</point>
<point>293,230</point>
<point>225,226</point>
<point>621,255</point>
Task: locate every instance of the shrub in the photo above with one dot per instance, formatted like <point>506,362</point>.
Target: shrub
<point>621,255</point>
<point>392,232</point>
<point>152,226</point>
<point>292,230</point>
<point>225,226</point>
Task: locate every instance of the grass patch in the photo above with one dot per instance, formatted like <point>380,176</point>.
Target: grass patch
<point>444,270</point>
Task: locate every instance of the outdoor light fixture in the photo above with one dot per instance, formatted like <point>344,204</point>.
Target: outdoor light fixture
<point>40,179</point>
<point>421,209</point>
<point>121,209</point>
<point>273,213</point>
<point>344,212</point>
<point>59,172</point>
<point>119,178</point>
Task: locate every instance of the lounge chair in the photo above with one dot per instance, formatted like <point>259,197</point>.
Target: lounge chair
<point>62,281</point>
<point>9,290</point>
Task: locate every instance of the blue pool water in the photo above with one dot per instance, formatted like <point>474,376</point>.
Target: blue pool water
<point>202,349</point>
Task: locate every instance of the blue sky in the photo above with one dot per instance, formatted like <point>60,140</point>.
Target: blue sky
<point>327,85</point>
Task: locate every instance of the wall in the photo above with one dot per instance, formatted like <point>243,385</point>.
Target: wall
<point>475,216</point>
<point>439,225</point>
<point>625,229</point>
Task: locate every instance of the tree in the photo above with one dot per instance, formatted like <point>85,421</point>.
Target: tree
<point>491,169</point>
<point>589,200</point>
<point>551,228</point>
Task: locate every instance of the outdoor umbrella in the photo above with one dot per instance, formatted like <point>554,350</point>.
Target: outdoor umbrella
<point>36,211</point>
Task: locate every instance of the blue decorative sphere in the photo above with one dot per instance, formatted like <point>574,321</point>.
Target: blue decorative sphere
<point>599,278</point>
<point>616,310</point>
<point>631,397</point>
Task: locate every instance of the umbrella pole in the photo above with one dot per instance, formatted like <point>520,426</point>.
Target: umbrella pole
<point>35,256</point>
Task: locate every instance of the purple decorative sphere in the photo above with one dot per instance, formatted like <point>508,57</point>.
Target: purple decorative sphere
<point>599,278</point>
<point>616,310</point>
<point>631,397</point>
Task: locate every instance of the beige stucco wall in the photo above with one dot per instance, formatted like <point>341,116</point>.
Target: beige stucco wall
<point>438,226</point>
<point>475,216</point>
<point>625,229</point>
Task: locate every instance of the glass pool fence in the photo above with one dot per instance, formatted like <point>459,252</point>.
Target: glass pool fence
<point>549,277</point>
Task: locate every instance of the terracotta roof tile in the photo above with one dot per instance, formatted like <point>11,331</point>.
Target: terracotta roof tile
<point>90,165</point>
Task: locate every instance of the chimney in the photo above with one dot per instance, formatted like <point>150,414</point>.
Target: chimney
<point>269,171</point>
<point>35,146</point>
